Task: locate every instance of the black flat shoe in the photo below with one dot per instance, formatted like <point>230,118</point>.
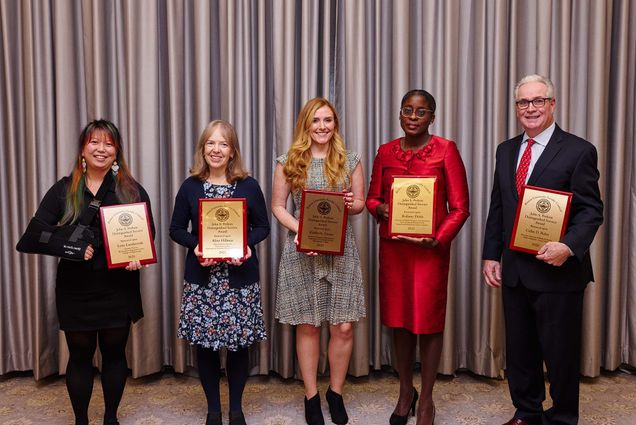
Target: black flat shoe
<point>313,412</point>
<point>336,407</point>
<point>237,418</point>
<point>214,418</point>
<point>396,419</point>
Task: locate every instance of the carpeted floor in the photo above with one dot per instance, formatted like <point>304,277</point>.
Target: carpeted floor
<point>171,399</point>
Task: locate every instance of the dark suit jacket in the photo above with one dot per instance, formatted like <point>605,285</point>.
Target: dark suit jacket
<point>186,213</point>
<point>569,164</point>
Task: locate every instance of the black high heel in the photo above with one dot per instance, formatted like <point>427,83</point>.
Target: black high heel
<point>336,407</point>
<point>396,419</point>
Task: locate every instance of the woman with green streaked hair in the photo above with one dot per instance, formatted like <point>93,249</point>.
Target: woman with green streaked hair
<point>95,304</point>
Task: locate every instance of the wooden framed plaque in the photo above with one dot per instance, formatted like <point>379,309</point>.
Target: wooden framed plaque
<point>323,222</point>
<point>223,228</point>
<point>412,206</point>
<point>542,215</point>
<point>127,234</point>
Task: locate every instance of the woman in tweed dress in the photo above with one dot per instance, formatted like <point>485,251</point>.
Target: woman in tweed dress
<point>313,288</point>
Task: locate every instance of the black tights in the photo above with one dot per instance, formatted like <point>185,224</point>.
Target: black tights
<point>210,375</point>
<point>79,371</point>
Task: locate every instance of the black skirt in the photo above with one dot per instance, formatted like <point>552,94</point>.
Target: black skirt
<point>91,298</point>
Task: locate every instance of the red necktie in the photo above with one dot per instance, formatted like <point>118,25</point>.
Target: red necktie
<point>524,164</point>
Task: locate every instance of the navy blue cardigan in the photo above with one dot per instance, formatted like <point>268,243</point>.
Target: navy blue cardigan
<point>186,212</point>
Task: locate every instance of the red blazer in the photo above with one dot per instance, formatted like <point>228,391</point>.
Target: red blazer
<point>439,158</point>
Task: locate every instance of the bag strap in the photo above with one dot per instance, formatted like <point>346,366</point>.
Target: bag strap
<point>91,209</point>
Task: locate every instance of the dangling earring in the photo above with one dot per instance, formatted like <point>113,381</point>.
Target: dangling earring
<point>115,168</point>
<point>83,165</point>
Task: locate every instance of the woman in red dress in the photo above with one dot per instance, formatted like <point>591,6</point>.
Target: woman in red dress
<point>414,271</point>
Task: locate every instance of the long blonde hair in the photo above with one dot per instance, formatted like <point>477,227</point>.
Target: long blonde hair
<point>299,154</point>
<point>235,169</point>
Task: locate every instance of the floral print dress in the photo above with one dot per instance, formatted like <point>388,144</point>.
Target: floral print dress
<point>215,315</point>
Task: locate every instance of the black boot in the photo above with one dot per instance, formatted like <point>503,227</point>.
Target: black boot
<point>336,407</point>
<point>313,412</point>
<point>214,418</point>
<point>111,421</point>
<point>237,418</point>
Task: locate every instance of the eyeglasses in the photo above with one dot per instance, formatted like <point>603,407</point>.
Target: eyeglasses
<point>407,112</point>
<point>537,103</point>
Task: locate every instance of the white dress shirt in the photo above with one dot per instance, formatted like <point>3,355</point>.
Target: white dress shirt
<point>541,141</point>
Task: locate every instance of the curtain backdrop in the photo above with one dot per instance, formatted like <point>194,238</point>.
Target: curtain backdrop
<point>162,69</point>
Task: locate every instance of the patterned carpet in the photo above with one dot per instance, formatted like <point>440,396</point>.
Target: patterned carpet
<point>167,399</point>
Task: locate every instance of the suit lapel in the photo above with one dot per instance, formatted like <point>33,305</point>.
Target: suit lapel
<point>550,151</point>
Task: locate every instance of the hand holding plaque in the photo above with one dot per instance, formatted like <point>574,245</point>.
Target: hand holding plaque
<point>127,234</point>
<point>323,221</point>
<point>542,216</point>
<point>412,206</point>
<point>223,228</point>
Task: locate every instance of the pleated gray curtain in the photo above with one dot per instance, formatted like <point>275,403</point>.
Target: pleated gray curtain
<point>162,69</point>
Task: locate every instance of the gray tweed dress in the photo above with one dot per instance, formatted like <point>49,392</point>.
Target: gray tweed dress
<point>314,289</point>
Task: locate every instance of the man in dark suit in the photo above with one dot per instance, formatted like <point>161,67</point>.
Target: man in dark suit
<point>542,293</point>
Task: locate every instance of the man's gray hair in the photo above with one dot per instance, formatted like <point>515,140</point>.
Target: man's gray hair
<point>536,78</point>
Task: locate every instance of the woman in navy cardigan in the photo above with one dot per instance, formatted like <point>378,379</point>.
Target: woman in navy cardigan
<point>221,305</point>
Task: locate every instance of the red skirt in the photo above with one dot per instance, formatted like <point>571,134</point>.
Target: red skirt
<point>413,286</point>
